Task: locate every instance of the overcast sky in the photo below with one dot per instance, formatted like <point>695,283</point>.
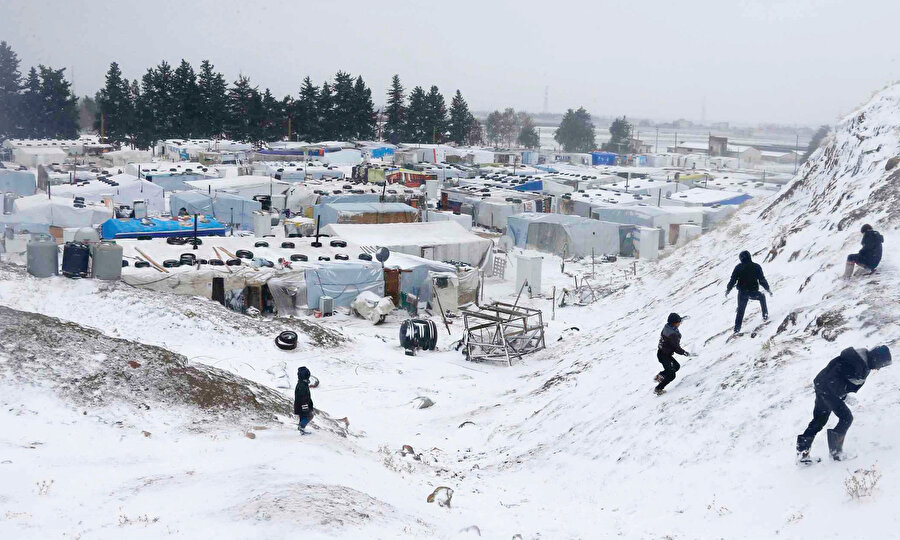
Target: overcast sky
<point>784,61</point>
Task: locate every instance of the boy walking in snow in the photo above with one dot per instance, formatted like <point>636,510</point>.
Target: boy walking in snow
<point>669,346</point>
<point>303,404</point>
<point>748,276</point>
<point>844,374</point>
<point>870,255</point>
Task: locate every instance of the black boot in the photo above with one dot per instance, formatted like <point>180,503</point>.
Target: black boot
<point>804,442</point>
<point>836,445</point>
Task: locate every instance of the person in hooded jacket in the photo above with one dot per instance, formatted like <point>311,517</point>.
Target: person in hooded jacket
<point>844,374</point>
<point>303,403</point>
<point>748,276</point>
<point>669,345</point>
<point>870,255</point>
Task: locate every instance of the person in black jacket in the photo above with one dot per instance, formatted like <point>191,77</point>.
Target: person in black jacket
<point>303,403</point>
<point>844,374</point>
<point>748,276</point>
<point>669,346</point>
<point>870,255</point>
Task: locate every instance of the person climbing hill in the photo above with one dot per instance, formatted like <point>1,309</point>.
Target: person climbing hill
<point>844,374</point>
<point>869,257</point>
<point>669,345</point>
<point>748,276</point>
<point>303,403</point>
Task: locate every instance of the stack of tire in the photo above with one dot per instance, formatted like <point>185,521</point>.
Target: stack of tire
<point>418,334</point>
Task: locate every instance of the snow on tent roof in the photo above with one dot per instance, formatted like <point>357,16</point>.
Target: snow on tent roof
<point>709,197</point>
<point>19,182</point>
<point>564,234</point>
<point>239,182</point>
<point>57,211</point>
<point>332,213</point>
<point>129,189</point>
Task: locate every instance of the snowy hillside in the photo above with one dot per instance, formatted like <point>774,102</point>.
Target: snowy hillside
<point>586,448</point>
<point>569,443</point>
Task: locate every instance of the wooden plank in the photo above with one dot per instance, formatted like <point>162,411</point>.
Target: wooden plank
<point>151,261</point>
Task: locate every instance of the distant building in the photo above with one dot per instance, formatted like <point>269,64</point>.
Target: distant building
<point>718,146</point>
<point>640,147</point>
<point>747,156</point>
<point>689,147</point>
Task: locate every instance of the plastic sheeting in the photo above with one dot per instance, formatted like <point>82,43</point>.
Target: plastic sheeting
<point>564,235</point>
<point>56,212</point>
<point>368,213</point>
<point>343,282</point>
<point>130,189</point>
<point>244,186</point>
<point>463,219</point>
<point>225,207</point>
<point>289,293</point>
<point>22,183</point>
<point>159,228</point>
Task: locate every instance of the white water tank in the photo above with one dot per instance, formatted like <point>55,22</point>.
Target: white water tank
<point>432,189</point>
<point>326,306</point>
<point>262,223</point>
<point>42,256</point>
<point>107,261</point>
<point>140,209</point>
<point>528,268</point>
<point>688,233</point>
<point>648,243</point>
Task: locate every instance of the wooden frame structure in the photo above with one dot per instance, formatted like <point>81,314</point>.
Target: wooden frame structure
<point>499,332</point>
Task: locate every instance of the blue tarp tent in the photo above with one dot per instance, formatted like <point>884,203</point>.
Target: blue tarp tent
<point>159,228</point>
<point>603,158</point>
<point>533,185</point>
<point>381,152</point>
<point>22,183</point>
<point>343,282</point>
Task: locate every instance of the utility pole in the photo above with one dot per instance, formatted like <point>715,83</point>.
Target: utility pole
<point>656,147</point>
<point>796,151</point>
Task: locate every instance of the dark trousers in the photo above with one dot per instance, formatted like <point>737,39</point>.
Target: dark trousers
<point>857,258</point>
<point>670,367</point>
<point>827,403</point>
<point>743,298</point>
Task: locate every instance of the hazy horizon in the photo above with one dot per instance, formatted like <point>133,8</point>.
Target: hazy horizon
<point>802,62</point>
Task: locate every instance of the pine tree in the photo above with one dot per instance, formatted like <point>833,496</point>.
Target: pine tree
<point>325,114</point>
<point>272,118</point>
<point>436,125</point>
<point>620,140</point>
<point>244,111</point>
<point>30,107</point>
<point>416,130</point>
<point>459,119</point>
<point>528,135</point>
<point>475,133</point>
<point>146,131</point>
<point>306,118</point>
<point>87,112</point>
<point>10,98</point>
<point>344,117</point>
<point>115,110</point>
<point>185,97</point>
<point>576,131</point>
<point>212,91</point>
<point>58,105</point>
<point>364,111</point>
<point>287,112</point>
<point>395,113</point>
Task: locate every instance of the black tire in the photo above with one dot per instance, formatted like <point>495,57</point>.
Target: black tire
<point>299,257</point>
<point>287,245</point>
<point>244,254</point>
<point>261,243</point>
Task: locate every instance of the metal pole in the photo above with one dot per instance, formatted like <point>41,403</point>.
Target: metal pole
<point>656,147</point>
<point>195,231</point>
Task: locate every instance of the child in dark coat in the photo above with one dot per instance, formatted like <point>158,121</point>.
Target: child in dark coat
<point>669,345</point>
<point>303,404</point>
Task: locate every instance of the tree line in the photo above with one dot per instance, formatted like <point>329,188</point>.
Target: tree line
<point>41,105</point>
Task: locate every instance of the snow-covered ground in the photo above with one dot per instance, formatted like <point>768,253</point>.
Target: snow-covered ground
<point>569,443</point>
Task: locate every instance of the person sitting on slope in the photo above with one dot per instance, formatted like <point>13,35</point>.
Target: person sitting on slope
<point>870,254</point>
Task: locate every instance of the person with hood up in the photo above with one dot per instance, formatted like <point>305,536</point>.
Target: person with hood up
<point>669,345</point>
<point>844,374</point>
<point>748,276</point>
<point>303,403</point>
<point>870,255</point>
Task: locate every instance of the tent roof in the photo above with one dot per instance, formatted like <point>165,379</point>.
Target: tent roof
<point>237,182</point>
<point>420,234</point>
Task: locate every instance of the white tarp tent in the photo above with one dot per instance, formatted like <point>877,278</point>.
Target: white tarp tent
<point>564,235</point>
<point>435,240</point>
<point>244,186</point>
<point>57,212</point>
<point>463,219</point>
<point>22,183</point>
<point>44,155</point>
<point>124,157</point>
<point>129,189</point>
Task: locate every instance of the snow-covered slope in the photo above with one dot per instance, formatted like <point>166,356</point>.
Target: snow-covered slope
<point>585,448</point>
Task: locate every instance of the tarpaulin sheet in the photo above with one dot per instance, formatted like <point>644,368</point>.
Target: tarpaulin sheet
<point>57,211</point>
<point>564,235</point>
<point>129,189</point>
<point>22,183</point>
<point>343,282</point>
<point>368,213</point>
<point>224,207</point>
<point>159,228</point>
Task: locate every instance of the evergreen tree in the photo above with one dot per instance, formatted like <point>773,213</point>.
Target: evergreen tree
<point>10,98</point>
<point>528,135</point>
<point>343,117</point>
<point>87,112</point>
<point>325,114</point>
<point>576,131</point>
<point>57,106</point>
<point>436,125</point>
<point>115,110</point>
<point>30,106</point>
<point>459,119</point>
<point>417,129</point>
<point>620,136</point>
<point>395,113</point>
<point>364,111</point>
<point>161,97</point>
<point>212,102</point>
<point>134,94</point>
<point>245,113</point>
<point>272,118</point>
<point>287,113</point>
<point>306,117</point>
<point>185,101</point>
<point>815,142</point>
<point>146,130</point>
